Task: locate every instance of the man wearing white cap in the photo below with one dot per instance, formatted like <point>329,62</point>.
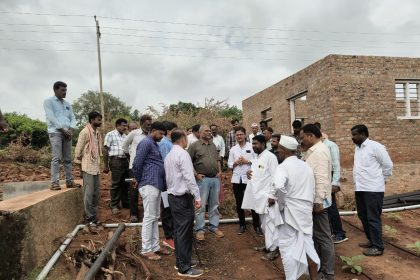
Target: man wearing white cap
<point>255,132</point>
<point>294,192</point>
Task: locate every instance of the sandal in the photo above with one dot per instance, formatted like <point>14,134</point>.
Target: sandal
<point>55,187</point>
<point>163,252</point>
<point>152,256</point>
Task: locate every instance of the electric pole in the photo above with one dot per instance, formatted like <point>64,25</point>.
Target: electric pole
<point>101,93</point>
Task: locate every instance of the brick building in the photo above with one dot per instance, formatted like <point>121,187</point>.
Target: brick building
<point>341,91</point>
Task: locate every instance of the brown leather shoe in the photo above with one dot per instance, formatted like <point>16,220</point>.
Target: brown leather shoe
<point>73,185</point>
<point>200,236</point>
<point>55,187</point>
<point>218,233</point>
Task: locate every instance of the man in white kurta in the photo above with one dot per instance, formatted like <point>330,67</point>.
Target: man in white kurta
<point>260,184</point>
<point>294,191</point>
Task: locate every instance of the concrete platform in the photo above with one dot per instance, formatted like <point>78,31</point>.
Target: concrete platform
<point>32,227</point>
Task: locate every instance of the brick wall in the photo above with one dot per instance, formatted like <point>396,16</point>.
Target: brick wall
<point>343,91</point>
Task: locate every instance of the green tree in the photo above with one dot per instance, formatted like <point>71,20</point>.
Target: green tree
<point>184,107</point>
<point>231,112</point>
<point>90,101</point>
<point>135,116</point>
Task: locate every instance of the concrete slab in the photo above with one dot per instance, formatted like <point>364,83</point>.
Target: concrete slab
<point>14,189</point>
<point>33,226</point>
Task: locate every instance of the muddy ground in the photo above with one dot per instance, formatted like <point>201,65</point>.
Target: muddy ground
<point>231,257</point>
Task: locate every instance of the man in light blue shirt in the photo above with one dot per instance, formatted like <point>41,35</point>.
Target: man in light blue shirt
<point>165,146</point>
<point>61,122</point>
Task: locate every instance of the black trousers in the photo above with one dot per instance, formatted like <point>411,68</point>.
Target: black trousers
<point>335,220</point>
<point>182,209</point>
<point>119,188</point>
<point>238,191</point>
<point>133,199</point>
<point>167,221</point>
<point>369,209</point>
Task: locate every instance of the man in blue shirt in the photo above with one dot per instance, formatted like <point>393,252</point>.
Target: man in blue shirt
<point>149,172</point>
<point>61,122</point>
<point>165,146</point>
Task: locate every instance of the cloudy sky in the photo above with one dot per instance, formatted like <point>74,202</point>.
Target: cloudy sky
<point>168,51</point>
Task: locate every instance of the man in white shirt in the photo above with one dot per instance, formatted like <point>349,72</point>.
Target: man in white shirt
<point>130,147</point>
<point>194,136</point>
<point>182,192</point>
<point>372,167</point>
<point>318,157</point>
<point>255,132</point>
<point>260,183</point>
<point>218,140</point>
<point>294,191</point>
<point>240,157</point>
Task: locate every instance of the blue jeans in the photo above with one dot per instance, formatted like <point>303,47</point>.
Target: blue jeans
<point>60,151</point>
<point>209,192</point>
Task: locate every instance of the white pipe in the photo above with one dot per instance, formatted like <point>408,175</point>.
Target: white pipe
<point>71,235</point>
<point>58,253</point>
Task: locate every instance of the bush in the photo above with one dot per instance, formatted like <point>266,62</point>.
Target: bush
<point>25,130</point>
<point>16,152</point>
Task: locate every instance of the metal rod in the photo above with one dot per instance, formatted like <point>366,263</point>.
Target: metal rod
<point>101,258</point>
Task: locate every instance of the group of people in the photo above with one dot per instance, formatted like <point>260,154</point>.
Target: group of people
<point>289,182</point>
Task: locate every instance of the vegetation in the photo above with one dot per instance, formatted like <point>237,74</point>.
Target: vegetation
<point>352,264</point>
<point>415,246</point>
<point>395,217</point>
<point>24,130</point>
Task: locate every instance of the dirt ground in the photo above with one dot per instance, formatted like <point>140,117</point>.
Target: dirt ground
<point>233,256</point>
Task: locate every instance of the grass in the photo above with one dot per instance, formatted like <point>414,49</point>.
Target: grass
<point>395,217</point>
<point>352,264</point>
<point>415,247</point>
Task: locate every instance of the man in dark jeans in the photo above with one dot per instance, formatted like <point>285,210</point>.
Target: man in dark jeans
<point>116,161</point>
<point>372,167</point>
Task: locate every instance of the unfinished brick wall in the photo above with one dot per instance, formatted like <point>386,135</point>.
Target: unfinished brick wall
<point>343,91</point>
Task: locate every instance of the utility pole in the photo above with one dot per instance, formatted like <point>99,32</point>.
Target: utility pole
<point>101,93</point>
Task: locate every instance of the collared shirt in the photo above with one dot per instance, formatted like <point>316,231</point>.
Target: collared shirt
<point>259,187</point>
<point>191,139</point>
<point>239,171</point>
<point>319,159</point>
<point>148,168</point>
<point>252,135</point>
<point>335,159</point>
<point>372,167</point>
<point>268,145</point>
<point>294,188</point>
<point>130,143</point>
<point>114,141</point>
<point>220,144</point>
<point>59,115</point>
<point>179,172</point>
<point>89,165</point>
<point>165,146</point>
<point>230,140</point>
<point>205,158</point>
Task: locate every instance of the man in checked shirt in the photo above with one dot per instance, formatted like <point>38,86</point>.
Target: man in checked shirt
<point>116,161</point>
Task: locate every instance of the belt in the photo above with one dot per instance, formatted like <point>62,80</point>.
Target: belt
<point>117,157</point>
<point>210,176</point>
